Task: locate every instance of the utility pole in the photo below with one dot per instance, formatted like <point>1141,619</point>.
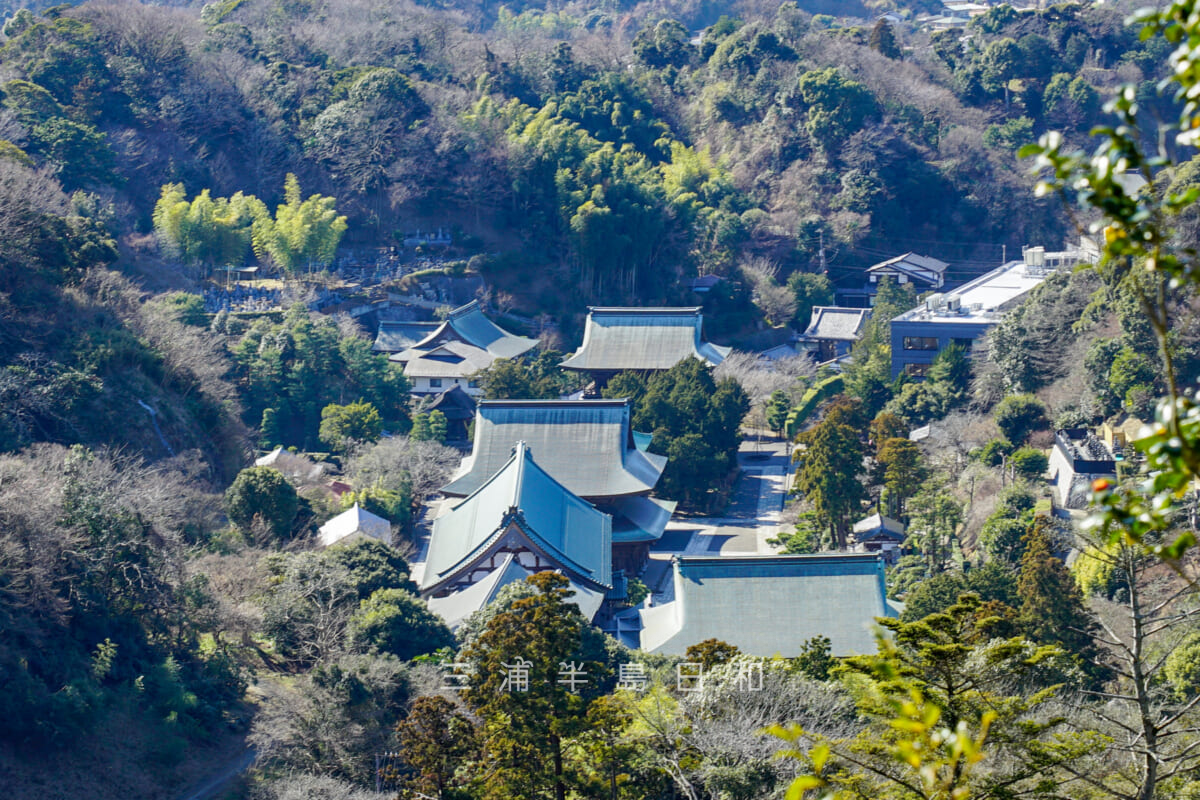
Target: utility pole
<point>824,266</point>
<point>1003,254</point>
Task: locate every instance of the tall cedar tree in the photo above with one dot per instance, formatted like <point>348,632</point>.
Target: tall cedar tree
<point>1051,604</point>
<point>901,471</point>
<point>438,744</point>
<point>831,457</point>
<point>527,725</point>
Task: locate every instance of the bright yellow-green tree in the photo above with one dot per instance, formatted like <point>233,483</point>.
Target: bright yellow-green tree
<point>304,233</point>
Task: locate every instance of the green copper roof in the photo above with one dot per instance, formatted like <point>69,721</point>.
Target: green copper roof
<point>642,339</point>
<point>768,605</point>
<point>586,445</point>
<point>568,531</point>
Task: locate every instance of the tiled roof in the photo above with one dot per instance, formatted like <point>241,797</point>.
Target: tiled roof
<point>455,608</point>
<point>639,518</point>
<point>567,530</point>
<point>832,322</point>
<point>876,526</point>
<point>448,359</point>
<point>454,403</point>
<point>466,333</point>
<point>768,605</point>
<point>586,445</point>
<point>911,264</point>
<point>642,339</point>
<point>393,337</point>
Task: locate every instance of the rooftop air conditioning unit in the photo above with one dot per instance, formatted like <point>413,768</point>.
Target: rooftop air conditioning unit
<point>935,301</point>
<point>954,302</point>
<point>1035,256</point>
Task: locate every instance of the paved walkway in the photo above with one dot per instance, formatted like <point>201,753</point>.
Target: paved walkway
<point>753,517</point>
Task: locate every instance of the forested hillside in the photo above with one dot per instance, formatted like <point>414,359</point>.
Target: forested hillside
<point>163,603</point>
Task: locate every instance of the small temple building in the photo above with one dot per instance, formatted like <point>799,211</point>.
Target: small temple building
<point>465,343</point>
<point>641,340</point>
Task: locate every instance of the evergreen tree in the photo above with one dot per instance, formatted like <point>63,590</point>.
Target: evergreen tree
<point>440,745</point>
<point>1051,604</point>
<point>901,471</point>
<point>533,690</point>
<point>883,40</point>
<point>831,457</point>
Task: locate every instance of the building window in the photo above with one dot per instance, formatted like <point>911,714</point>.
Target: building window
<point>965,344</point>
<point>920,343</point>
<point>435,383</point>
<point>472,384</point>
<point>916,370</point>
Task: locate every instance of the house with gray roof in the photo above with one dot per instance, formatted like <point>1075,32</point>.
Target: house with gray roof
<point>465,343</point>
<point>519,522</point>
<point>1079,457</point>
<point>590,447</point>
<point>771,604</point>
<point>925,272</point>
<point>641,340</point>
<point>833,330</point>
<point>879,534</point>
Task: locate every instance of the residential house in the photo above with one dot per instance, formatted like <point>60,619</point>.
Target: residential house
<point>924,272</point>
<point>464,344</point>
<point>519,522</point>
<point>590,448</point>
<point>770,605</point>
<point>641,340</point>
<point>1078,458</point>
<point>353,524</point>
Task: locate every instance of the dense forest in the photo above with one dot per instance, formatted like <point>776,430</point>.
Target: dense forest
<point>162,604</point>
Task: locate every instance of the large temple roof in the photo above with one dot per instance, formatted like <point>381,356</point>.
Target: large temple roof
<point>586,445</point>
<point>618,339</point>
<point>565,530</point>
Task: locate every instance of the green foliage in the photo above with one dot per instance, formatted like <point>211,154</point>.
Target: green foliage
<point>394,506</point>
<point>711,653</point>
<point>926,693</point>
<point>397,622</point>
<point>830,459</point>
<point>1028,463</point>
<point>262,493</point>
<point>836,106</point>
<point>344,427</point>
<point>810,290</point>
<point>429,427</point>
<point>823,390</point>
<point>815,659</point>
<point>901,471</point>
<point>1020,415</point>
<point>777,411</point>
<point>528,724</point>
<point>440,745</point>
<point>511,379</point>
<point>1011,135</point>
<point>1182,668</point>
<point>636,591</point>
<point>303,234</point>
<point>1051,604</point>
<point>883,40</point>
<point>302,364</point>
<point>804,538</point>
<point>207,231</point>
<point>696,423</point>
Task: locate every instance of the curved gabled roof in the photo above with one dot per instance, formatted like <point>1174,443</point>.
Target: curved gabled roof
<point>587,445</point>
<point>642,339</point>
<point>565,529</point>
<point>468,324</point>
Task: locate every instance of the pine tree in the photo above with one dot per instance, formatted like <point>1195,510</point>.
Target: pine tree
<point>831,458</point>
